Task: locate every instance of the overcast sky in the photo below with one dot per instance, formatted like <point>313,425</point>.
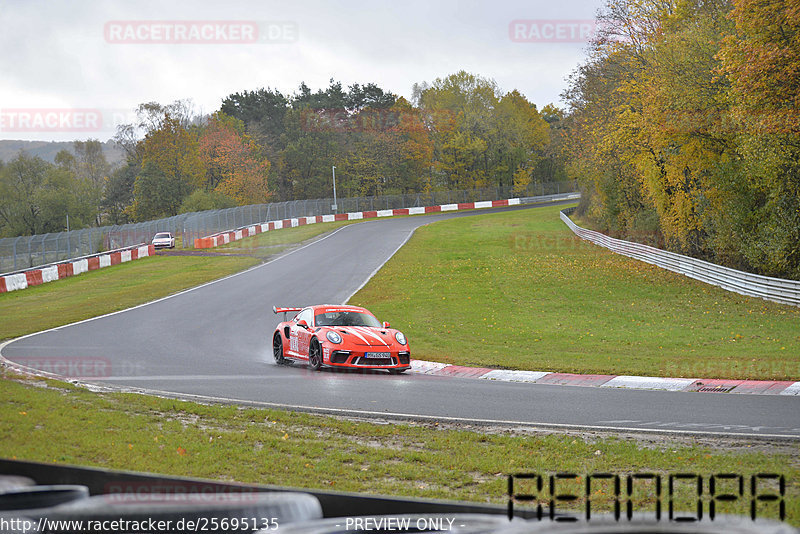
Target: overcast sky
<point>63,64</point>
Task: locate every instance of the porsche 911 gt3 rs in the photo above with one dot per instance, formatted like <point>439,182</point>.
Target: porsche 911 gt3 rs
<point>339,336</point>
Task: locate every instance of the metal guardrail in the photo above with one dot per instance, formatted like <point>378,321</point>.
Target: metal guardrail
<point>752,285</point>
<point>550,198</point>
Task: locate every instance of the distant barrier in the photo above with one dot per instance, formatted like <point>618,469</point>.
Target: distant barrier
<point>24,252</point>
<point>223,238</point>
<point>752,285</point>
<point>228,236</point>
<point>58,271</point>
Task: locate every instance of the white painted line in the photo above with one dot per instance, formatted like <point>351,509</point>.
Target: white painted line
<point>416,211</point>
<point>648,382</point>
<point>125,256</point>
<point>794,389</point>
<point>379,267</point>
<point>105,260</point>
<point>514,376</point>
<point>433,418</point>
<point>385,213</point>
<point>355,216</point>
<point>449,207</point>
<point>3,345</point>
<point>515,201</point>
<point>328,218</point>
<point>182,378</point>
<point>483,204</point>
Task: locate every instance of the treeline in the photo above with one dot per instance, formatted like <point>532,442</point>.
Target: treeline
<point>684,125</point>
<point>39,197</point>
<point>460,132</point>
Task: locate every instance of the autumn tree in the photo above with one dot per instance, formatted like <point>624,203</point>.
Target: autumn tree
<point>482,137</point>
<point>171,169</point>
<point>682,124</point>
<point>760,58</point>
<point>233,162</point>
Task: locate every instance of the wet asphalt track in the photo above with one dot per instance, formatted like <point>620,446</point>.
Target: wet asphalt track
<point>215,341</point>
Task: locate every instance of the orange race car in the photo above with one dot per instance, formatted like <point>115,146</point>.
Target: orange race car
<point>339,336</point>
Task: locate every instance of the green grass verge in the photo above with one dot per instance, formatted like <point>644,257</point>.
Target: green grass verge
<point>54,422</point>
<point>518,290</point>
<point>129,284</point>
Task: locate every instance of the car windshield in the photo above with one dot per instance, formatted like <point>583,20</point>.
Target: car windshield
<point>162,236</point>
<point>346,318</point>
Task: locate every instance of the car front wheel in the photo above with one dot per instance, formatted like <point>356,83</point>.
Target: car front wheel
<point>314,356</point>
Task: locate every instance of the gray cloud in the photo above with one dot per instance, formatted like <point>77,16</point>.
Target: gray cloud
<point>55,54</point>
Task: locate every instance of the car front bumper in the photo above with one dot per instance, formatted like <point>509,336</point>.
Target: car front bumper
<point>359,360</point>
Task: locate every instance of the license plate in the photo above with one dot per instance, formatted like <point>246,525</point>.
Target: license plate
<point>377,354</point>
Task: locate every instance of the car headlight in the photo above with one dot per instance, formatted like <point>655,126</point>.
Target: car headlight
<point>400,338</point>
<point>333,337</point>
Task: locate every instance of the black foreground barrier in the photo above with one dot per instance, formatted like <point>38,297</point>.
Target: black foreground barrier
<point>44,498</point>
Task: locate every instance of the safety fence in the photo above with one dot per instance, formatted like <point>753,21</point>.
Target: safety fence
<point>24,252</point>
<point>223,238</point>
<point>207,223</point>
<point>753,285</point>
<point>76,266</point>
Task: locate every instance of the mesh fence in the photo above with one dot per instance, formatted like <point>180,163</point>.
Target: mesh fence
<point>24,252</point>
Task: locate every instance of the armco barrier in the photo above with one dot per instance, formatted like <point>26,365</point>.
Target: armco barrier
<point>223,238</point>
<point>752,285</point>
<point>49,273</point>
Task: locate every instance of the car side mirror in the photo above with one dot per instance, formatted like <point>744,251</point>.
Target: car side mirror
<point>302,323</point>
<point>386,325</point>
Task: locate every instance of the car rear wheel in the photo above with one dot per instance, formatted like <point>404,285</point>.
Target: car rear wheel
<point>314,356</point>
<point>277,349</point>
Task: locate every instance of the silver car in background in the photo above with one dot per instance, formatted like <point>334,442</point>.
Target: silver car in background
<point>163,240</point>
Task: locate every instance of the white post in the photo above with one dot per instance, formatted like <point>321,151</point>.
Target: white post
<point>333,171</point>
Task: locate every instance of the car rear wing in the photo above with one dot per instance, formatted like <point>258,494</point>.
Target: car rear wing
<point>284,311</point>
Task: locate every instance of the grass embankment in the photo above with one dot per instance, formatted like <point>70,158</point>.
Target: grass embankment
<point>49,421</point>
<point>518,290</point>
<point>129,284</point>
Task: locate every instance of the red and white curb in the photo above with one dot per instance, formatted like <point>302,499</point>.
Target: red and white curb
<point>50,273</point>
<point>702,385</point>
<point>223,238</point>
